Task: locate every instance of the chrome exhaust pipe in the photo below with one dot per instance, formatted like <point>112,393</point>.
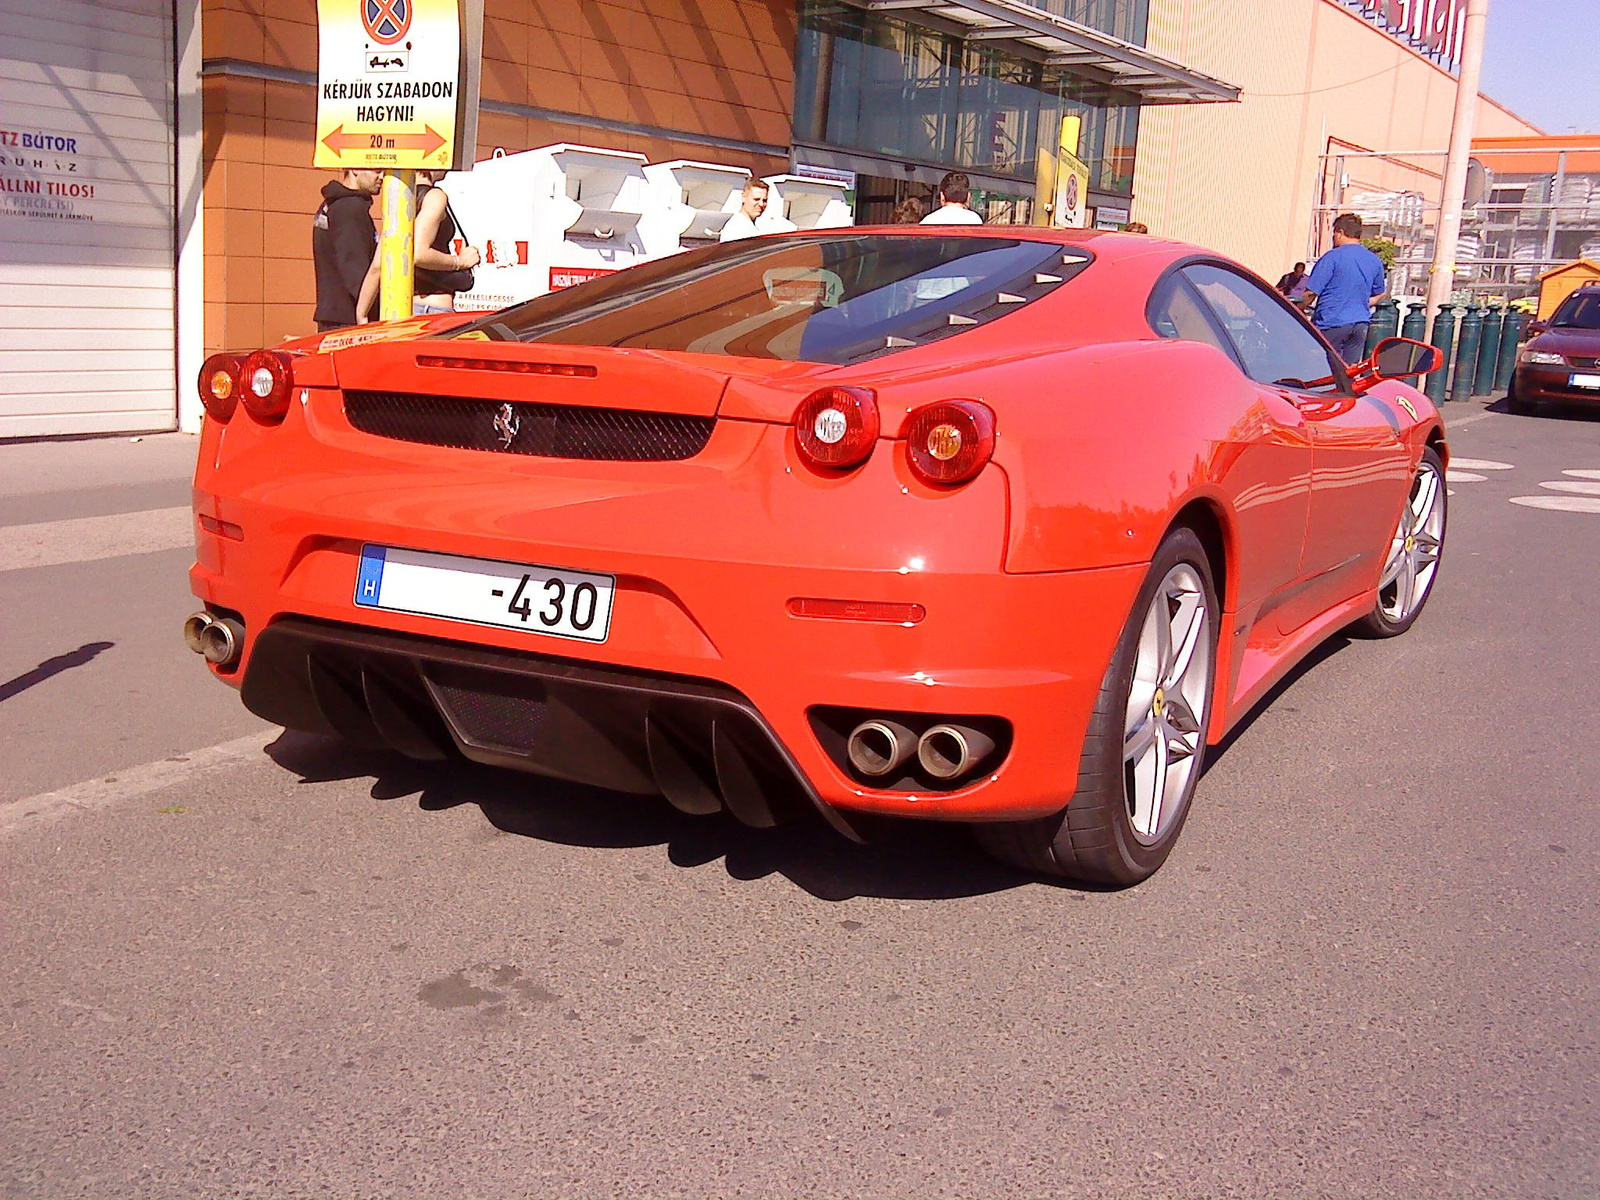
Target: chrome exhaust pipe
<point>946,751</point>
<point>194,631</point>
<point>222,641</point>
<point>879,746</point>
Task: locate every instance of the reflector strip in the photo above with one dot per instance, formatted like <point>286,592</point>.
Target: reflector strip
<point>887,612</point>
<point>225,529</point>
<point>510,366</point>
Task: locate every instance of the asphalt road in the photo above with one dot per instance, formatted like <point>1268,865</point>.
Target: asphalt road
<point>235,962</point>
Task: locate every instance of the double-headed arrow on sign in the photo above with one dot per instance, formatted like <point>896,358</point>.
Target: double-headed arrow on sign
<point>427,141</point>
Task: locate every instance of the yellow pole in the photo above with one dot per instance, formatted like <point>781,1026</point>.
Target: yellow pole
<point>395,242</point>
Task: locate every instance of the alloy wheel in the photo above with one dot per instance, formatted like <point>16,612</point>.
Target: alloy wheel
<point>1414,549</point>
<point>1164,722</point>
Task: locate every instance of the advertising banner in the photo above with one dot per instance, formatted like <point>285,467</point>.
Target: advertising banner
<point>389,84</point>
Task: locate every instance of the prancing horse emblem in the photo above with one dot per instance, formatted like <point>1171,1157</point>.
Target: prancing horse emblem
<point>506,426</point>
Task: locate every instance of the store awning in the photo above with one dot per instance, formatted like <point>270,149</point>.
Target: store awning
<point>1066,44</point>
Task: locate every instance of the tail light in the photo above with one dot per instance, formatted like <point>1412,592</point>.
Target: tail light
<point>267,378</point>
<point>219,385</point>
<point>949,441</point>
<point>837,427</point>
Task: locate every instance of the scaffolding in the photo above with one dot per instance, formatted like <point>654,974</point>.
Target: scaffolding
<point>1528,209</point>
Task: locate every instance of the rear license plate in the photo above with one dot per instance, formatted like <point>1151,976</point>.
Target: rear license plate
<point>1584,380</point>
<point>484,591</point>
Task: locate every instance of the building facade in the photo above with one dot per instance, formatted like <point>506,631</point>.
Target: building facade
<point>155,186</point>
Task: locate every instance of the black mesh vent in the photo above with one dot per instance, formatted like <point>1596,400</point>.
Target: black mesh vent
<point>1586,361</point>
<point>547,430</point>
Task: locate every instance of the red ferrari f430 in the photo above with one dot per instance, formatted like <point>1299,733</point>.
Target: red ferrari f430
<point>994,525</point>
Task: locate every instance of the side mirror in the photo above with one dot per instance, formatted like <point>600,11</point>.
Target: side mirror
<point>1534,329</point>
<point>1396,358</point>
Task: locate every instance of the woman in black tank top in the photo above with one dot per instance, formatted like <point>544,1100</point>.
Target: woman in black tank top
<point>440,274</point>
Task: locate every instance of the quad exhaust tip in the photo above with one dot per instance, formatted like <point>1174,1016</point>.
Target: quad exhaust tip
<point>194,631</point>
<point>949,751</point>
<point>219,639</point>
<point>880,746</point>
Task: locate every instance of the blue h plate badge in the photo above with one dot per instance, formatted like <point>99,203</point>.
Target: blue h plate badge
<point>369,579</point>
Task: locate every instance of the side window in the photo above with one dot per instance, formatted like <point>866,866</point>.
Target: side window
<point>1273,344</point>
<point>1176,313</point>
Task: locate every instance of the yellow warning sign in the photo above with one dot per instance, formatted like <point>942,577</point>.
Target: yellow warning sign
<point>389,83</point>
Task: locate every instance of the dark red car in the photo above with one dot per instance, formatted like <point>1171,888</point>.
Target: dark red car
<point>1561,362</point>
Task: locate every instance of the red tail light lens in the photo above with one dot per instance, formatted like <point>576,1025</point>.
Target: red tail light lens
<point>837,427</point>
<point>266,380</point>
<point>219,385</point>
<point>950,441</point>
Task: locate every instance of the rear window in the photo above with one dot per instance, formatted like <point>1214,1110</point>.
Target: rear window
<point>835,298</point>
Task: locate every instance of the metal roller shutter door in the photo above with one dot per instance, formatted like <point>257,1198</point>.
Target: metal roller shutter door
<point>86,217</point>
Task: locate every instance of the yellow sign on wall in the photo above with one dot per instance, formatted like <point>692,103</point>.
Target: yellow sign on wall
<point>389,83</point>
<point>1072,178</point>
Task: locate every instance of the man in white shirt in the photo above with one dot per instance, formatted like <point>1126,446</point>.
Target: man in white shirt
<point>752,203</point>
<point>955,189</point>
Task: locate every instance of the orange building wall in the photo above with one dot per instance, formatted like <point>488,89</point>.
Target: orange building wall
<point>1243,178</point>
<point>722,68</point>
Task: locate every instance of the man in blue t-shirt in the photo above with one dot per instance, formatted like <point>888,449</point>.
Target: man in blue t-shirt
<point>1345,283</point>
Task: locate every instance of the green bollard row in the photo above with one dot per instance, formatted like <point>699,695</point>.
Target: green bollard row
<point>1488,351</point>
<point>1415,327</point>
<point>1385,322</point>
<point>1510,339</point>
<point>1468,338</point>
<point>1443,336</point>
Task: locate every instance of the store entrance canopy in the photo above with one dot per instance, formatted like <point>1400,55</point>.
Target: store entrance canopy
<point>1058,42</point>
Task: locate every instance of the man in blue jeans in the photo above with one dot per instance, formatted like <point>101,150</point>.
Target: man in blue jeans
<point>1345,283</point>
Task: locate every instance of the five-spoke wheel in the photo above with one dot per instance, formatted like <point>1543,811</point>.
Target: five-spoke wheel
<point>1171,676</point>
<point>1412,560</point>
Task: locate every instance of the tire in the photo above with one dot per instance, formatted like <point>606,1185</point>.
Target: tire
<point>1515,403</point>
<point>1418,540</point>
<point>1101,837</point>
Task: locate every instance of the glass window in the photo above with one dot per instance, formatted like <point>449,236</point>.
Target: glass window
<point>829,298</point>
<point>1274,344</point>
<point>883,85</point>
<point>1578,311</point>
<point>1176,312</point>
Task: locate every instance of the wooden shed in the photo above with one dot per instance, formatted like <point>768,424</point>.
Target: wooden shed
<point>1556,284</point>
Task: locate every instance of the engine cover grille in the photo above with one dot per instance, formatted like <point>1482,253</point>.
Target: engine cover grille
<point>521,427</point>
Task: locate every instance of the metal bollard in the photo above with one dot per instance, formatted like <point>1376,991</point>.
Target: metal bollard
<point>1444,332</point>
<point>1415,326</point>
<point>1467,339</point>
<point>1385,323</point>
<point>1488,351</point>
<point>1510,340</point>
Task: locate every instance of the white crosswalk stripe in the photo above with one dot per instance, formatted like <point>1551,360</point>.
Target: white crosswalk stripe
<point>85,539</point>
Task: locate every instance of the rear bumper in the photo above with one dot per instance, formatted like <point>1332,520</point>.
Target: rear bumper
<point>706,554</point>
<point>701,745</point>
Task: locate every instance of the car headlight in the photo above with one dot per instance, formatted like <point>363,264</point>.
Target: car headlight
<point>1543,358</point>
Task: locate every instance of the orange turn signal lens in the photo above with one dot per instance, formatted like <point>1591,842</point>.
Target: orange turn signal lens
<point>219,385</point>
<point>949,441</point>
<point>886,612</point>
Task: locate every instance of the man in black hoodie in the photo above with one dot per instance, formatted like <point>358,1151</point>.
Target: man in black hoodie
<point>343,239</point>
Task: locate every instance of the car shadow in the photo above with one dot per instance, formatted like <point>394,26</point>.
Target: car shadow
<point>1551,408</point>
<point>1320,654</point>
<point>906,860</point>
